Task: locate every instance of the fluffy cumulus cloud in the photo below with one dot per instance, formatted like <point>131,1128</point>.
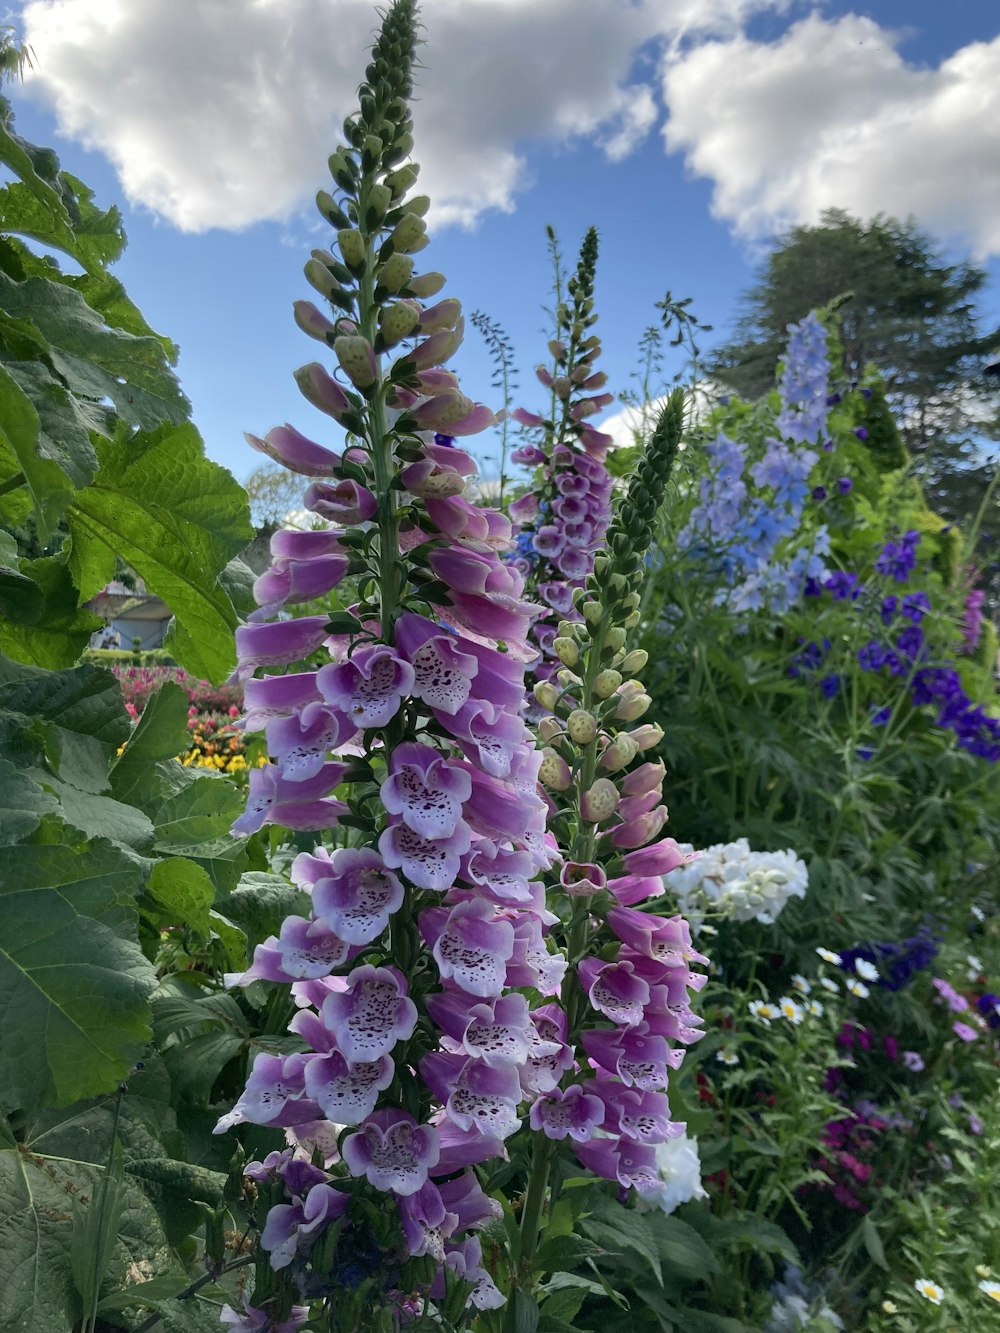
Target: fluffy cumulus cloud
<point>830,114</point>
<point>220,113</point>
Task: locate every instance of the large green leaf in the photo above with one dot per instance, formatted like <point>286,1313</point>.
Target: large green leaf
<point>20,428</point>
<point>161,734</point>
<point>261,901</point>
<point>194,821</point>
<point>60,631</point>
<point>182,893</point>
<point>74,984</point>
<point>96,361</point>
<point>178,520</point>
<point>22,804</point>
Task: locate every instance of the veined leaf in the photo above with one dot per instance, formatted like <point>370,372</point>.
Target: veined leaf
<point>178,519</point>
<point>71,972</point>
<point>20,435</point>
<point>62,628</point>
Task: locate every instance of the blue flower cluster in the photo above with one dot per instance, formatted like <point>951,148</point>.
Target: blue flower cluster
<point>989,1006</point>
<point>747,529</point>
<point>905,654</point>
<point>897,963</point>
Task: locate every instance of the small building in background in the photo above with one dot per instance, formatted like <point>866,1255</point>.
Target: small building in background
<point>129,614</point>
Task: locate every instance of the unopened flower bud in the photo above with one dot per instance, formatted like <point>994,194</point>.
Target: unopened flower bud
<point>607,682</point>
<point>593,613</point>
<point>620,753</point>
<point>395,272</point>
<point>567,651</point>
<point>615,638</point>
<point>379,200</point>
<point>426,284</point>
<point>352,247</point>
<point>599,801</point>
<point>566,679</point>
<point>581,726</point>
<point>635,661</point>
<point>549,728</point>
<point>646,778</point>
<point>409,234</point>
<point>632,707</point>
<point>631,620</point>
<point>553,771</point>
<point>397,321</point>
<point>357,359</point>
<point>402,179</point>
<point>546,694</point>
<point>419,204</point>
<point>647,736</point>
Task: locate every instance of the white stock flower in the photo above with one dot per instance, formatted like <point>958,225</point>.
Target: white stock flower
<point>679,1166</point>
<point>730,880</point>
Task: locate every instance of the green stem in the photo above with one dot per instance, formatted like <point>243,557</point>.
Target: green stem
<point>99,1252</point>
<point>13,483</point>
<point>194,1287</point>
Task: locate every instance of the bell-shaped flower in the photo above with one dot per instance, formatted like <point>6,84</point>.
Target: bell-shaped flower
<point>485,593</point>
<point>632,889</point>
<point>293,450</point>
<point>344,502</point>
<point>426,1221</point>
<point>504,873</point>
<point>638,831</point>
<point>352,891</point>
<point>489,734</point>
<point>252,1319</point>
<point>300,744</point>
<point>318,387</point>
<point>277,696</point>
<point>393,1151</point>
<point>639,1058</point>
<point>299,580</point>
<point>442,672</point>
<point>615,990</point>
<point>573,1111</point>
<point>288,1223</point>
<point>371,1015</point>
<point>425,790</point>
<point>274,799</point>
<point>659,859</point>
<point>347,1092</point>
<point>427,863</point>
<point>280,642</point>
<point>667,939</point>
<point>476,1095</point>
<point>582,879</point>
<point>465,1259</point>
<point>632,1164</point>
<point>498,1032</point>
<point>463,1196</point>
<point>303,949</point>
<point>275,1094</point>
<point>636,1113</point>
<point>369,688</point>
<point>531,963</point>
<point>471,945</point>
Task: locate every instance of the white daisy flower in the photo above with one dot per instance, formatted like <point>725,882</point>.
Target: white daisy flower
<point>790,1010</point>
<point>800,984</point>
<point>763,1011</point>
<point>727,1057</point>
<point>929,1290</point>
<point>991,1289</point>
<point>858,988</point>
<point>829,985</point>
<point>815,1008</point>
<point>868,971</point>
<point>983,1270</point>
<point>974,968</point>
<point>977,912</point>
<point>890,1307</point>
<point>828,956</point>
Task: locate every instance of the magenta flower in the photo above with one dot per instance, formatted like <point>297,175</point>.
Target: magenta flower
<point>425,790</point>
<point>277,696</point>
<point>637,1113</point>
<point>571,1111</point>
<point>303,949</point>
<point>476,1095</point>
<point>299,580</point>
<point>371,1015</point>
<point>659,859</point>
<point>666,939</point>
<point>471,945</point>
<point>964,1031</point>
<point>280,642</point>
<point>352,891</point>
<point>393,1151</point>
<point>275,1094</point>
<point>498,1032</point>
<point>345,1092</point>
<point>274,799</point>
<point>301,742</point>
<point>615,990</point>
<point>426,1221</point>
<point>288,446</point>
<point>287,1224</point>
<point>442,672</point>
<point>427,864</point>
<point>369,688</point>
<point>640,1058</point>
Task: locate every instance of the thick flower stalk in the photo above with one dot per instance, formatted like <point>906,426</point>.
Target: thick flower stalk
<point>563,518</point>
<point>407,754</point>
<point>625,1001</point>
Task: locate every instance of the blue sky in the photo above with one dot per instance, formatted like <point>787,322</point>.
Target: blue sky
<point>213,139</point>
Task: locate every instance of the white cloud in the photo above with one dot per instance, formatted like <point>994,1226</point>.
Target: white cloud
<point>831,115</point>
<point>221,113</point>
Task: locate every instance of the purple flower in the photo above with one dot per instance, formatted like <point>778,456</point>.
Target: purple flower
<point>845,485</point>
<point>275,1094</point>
<point>861,432</point>
<point>871,656</point>
<point>429,864</point>
<point>476,1095</point>
<point>964,1031</point>
<point>615,990</point>
<point>498,1031</point>
<point>989,1006</point>
<point>819,492</point>
<point>288,1223</point>
<point>425,790</point>
<point>371,1015</point>
<point>899,559</point>
<point>471,945</point>
<point>352,891</point>
<point>830,686</point>
<point>254,1320</point>
<point>913,1061</point>
<point>346,1092</point>
<point>393,1151</point>
<point>299,804</point>
<point>280,642</point>
<point>572,1111</point>
<point>915,606</point>
<point>955,1002</point>
<point>369,688</point>
<point>303,949</point>
<point>843,585</point>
